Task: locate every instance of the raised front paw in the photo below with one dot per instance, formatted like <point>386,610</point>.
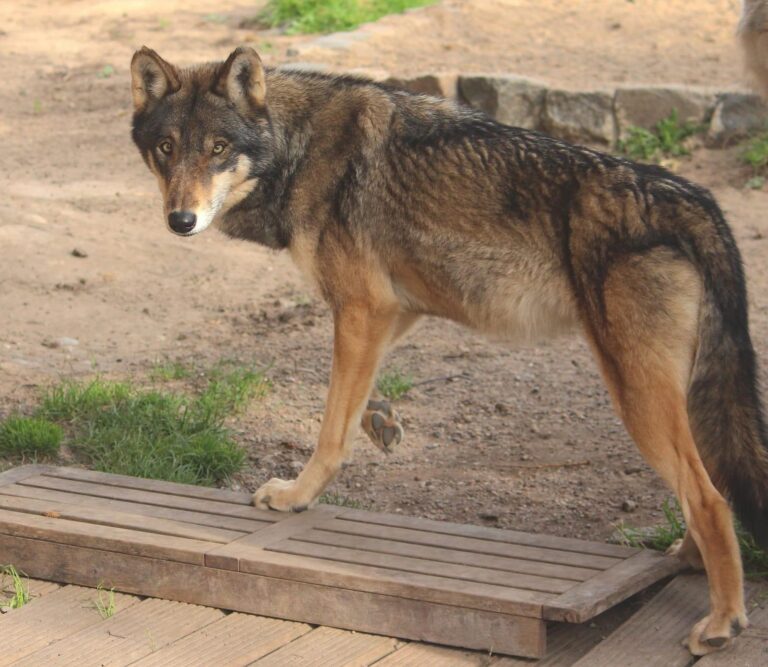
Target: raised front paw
<point>281,495</point>
<point>715,632</point>
<point>382,425</point>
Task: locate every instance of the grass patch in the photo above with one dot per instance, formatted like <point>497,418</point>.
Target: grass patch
<point>105,601</point>
<point>308,16</point>
<point>19,590</point>
<point>755,154</point>
<point>668,138</point>
<point>119,428</point>
<point>31,437</point>
<point>394,384</point>
<point>341,501</point>
<point>661,537</point>
<point>167,370</point>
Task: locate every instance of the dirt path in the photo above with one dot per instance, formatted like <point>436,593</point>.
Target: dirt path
<point>523,438</point>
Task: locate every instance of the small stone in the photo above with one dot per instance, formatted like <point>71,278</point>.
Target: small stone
<point>586,116</point>
<point>628,506</point>
<point>437,85</point>
<point>632,470</point>
<point>64,341</point>
<point>501,409</point>
<point>511,100</point>
<point>76,252</point>
<point>4,609</point>
<point>297,465</point>
<point>646,106</point>
<point>734,117</point>
<point>489,515</point>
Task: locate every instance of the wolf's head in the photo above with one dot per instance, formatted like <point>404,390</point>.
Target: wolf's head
<point>204,132</point>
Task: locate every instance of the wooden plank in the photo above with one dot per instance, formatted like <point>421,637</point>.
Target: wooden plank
<point>502,563</point>
<point>473,544</point>
<point>228,557</point>
<point>125,637</point>
<point>416,654</point>
<point>330,647</point>
<point>488,597</point>
<point>749,650</point>
<point>618,583</point>
<point>237,639</point>
<point>57,615</point>
<point>491,534</point>
<point>175,514</point>
<point>160,486</point>
<point>653,636</point>
<point>106,538</point>
<point>13,475</point>
<point>410,565</point>
<point>37,588</point>
<point>107,517</point>
<point>282,598</point>
<point>150,498</point>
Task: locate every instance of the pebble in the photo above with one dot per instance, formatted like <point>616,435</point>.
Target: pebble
<point>628,506</point>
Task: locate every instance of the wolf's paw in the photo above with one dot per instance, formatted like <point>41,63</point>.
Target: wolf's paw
<point>686,550</point>
<point>281,495</point>
<point>382,425</point>
<point>715,632</point>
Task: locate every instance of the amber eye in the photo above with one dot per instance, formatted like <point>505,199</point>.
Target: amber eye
<point>218,147</point>
<point>165,147</point>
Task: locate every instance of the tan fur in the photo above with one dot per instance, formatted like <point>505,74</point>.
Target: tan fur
<point>753,35</point>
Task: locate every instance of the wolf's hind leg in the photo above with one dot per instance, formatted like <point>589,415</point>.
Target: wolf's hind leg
<point>687,551</point>
<point>382,425</point>
<point>380,422</point>
<point>645,342</point>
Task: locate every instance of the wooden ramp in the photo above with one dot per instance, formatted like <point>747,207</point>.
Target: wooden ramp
<point>467,586</point>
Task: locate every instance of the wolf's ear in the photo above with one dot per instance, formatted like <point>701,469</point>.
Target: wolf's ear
<point>152,78</point>
<point>241,80</point>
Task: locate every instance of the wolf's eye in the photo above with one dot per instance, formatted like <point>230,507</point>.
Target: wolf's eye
<point>218,147</point>
<point>165,147</point>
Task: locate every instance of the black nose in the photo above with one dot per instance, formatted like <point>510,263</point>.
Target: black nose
<point>182,222</point>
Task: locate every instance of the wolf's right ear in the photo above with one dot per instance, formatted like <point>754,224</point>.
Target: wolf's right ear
<point>152,78</point>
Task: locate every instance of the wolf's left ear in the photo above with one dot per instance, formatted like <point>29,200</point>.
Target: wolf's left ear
<point>241,80</point>
<point>152,78</point>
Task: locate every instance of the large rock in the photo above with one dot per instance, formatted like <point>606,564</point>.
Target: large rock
<point>438,85</point>
<point>580,117</point>
<point>735,116</point>
<point>512,100</point>
<point>646,106</point>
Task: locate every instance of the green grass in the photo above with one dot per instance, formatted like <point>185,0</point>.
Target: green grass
<point>755,154</point>
<point>105,601</point>
<point>341,501</point>
<point>661,537</point>
<point>120,428</point>
<point>30,437</point>
<point>666,139</point>
<point>394,384</point>
<point>20,595</point>
<point>308,16</point>
<point>167,370</point>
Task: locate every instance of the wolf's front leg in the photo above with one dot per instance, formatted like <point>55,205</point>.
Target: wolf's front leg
<point>361,335</point>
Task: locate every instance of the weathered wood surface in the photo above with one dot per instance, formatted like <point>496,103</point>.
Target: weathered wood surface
<point>468,586</point>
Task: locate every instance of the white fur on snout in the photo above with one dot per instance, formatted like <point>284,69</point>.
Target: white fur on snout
<point>227,189</point>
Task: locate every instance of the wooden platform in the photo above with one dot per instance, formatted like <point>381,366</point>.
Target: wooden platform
<point>478,588</point>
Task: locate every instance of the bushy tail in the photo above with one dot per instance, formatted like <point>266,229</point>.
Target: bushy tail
<point>724,400</point>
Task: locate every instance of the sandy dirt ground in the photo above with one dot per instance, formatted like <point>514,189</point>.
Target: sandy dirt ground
<point>517,437</point>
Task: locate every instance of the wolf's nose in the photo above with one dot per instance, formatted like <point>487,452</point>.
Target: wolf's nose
<point>182,222</point>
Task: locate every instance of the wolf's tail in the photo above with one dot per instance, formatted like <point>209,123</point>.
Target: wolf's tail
<point>724,405</point>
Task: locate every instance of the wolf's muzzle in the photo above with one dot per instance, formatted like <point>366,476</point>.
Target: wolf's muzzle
<point>182,222</point>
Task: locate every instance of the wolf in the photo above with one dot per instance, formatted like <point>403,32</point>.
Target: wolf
<point>396,206</point>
